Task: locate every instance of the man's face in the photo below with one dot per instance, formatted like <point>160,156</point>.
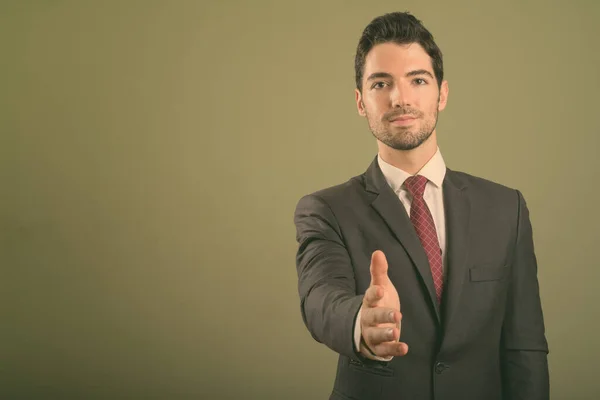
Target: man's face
<point>400,95</point>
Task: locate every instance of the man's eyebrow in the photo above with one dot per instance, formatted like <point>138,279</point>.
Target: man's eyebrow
<point>386,75</point>
<point>376,75</point>
<point>420,72</point>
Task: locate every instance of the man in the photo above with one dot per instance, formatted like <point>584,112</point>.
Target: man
<point>448,254</point>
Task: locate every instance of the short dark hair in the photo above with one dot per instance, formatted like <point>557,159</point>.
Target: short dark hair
<point>400,28</point>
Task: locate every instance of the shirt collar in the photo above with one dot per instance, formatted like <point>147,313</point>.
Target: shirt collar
<point>434,170</point>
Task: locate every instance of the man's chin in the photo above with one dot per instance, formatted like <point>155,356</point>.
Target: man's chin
<point>405,146</point>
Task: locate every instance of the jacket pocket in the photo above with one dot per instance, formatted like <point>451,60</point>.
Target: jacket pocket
<point>374,369</point>
<point>482,274</point>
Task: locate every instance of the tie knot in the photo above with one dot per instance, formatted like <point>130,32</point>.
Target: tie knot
<point>416,185</point>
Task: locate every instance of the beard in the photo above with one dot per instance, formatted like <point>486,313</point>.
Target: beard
<point>403,137</point>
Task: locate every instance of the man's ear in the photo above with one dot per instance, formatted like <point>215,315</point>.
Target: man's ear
<point>443,96</point>
<point>360,106</point>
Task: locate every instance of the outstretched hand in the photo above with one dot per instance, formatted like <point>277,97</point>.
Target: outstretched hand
<point>380,313</point>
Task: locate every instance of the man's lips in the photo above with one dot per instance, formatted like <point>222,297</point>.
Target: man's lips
<point>402,120</point>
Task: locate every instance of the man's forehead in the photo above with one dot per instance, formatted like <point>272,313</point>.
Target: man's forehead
<point>397,57</point>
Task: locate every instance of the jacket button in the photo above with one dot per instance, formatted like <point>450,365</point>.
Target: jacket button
<point>440,367</point>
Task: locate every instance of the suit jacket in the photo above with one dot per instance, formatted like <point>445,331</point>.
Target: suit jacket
<point>487,339</point>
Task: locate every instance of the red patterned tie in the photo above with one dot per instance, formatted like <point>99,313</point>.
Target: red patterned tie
<point>422,220</point>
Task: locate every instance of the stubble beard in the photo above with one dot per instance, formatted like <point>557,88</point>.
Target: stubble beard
<point>400,137</point>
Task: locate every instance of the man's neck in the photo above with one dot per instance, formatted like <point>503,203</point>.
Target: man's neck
<point>410,161</point>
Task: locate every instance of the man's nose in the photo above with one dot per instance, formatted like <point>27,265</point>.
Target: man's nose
<point>401,96</point>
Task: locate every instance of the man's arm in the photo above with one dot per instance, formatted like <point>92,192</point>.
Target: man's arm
<point>328,300</point>
<point>361,327</point>
<point>524,348</point>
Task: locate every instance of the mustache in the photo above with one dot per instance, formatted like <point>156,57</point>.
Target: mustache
<point>402,112</point>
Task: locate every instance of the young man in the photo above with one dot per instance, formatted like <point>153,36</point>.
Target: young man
<point>448,254</point>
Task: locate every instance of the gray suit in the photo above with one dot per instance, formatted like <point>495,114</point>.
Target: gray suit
<point>486,341</point>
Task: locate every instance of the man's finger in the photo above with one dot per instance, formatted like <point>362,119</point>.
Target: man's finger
<point>393,349</point>
<point>379,268</point>
<point>372,296</point>
<point>380,315</point>
<point>374,336</point>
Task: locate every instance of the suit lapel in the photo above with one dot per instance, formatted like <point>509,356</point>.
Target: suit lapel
<point>389,206</point>
<point>457,211</point>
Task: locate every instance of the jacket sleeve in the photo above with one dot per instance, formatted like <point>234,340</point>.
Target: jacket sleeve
<point>524,348</point>
<point>326,285</point>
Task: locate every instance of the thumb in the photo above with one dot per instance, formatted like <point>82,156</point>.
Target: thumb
<point>379,268</point>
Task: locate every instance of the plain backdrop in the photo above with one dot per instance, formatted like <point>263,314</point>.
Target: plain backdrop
<point>152,154</point>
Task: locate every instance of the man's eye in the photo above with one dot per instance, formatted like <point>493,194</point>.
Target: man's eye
<point>378,85</point>
<point>420,81</point>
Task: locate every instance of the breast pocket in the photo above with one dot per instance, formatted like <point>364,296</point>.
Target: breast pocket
<point>486,293</point>
<point>487,273</point>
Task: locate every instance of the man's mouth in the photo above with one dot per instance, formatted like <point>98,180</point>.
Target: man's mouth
<point>403,120</point>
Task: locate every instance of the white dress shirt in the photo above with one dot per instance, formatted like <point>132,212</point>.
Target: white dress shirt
<point>435,171</point>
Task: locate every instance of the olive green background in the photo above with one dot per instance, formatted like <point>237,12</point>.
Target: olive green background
<point>152,154</point>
